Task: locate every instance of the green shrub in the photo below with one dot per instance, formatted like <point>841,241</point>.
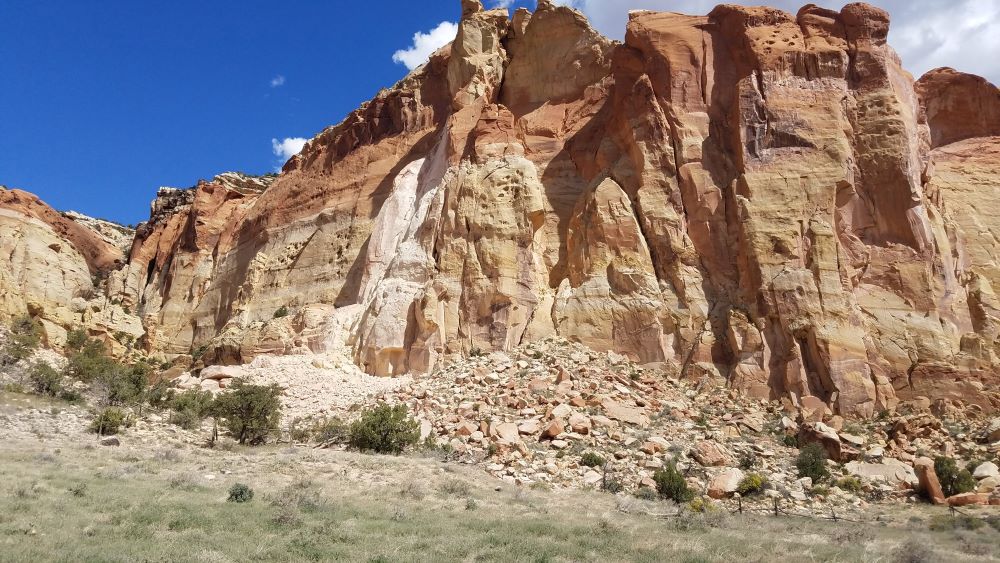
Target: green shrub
<point>331,431</point>
<point>71,396</point>
<point>125,385</point>
<point>324,431</point>
<point>300,431</point>
<point>384,430</point>
<point>240,493</point>
<point>109,421</point>
<point>953,480</point>
<point>161,394</point>
<point>850,484</point>
<point>45,380</point>
<point>811,462</point>
<point>700,505</point>
<point>281,312</point>
<point>197,353</point>
<point>91,362</point>
<point>590,459</point>
<point>670,484</point>
<point>188,420</point>
<point>819,490</point>
<point>749,460</point>
<point>24,338</point>
<point>752,484</point>
<point>250,413</point>
<point>75,339</point>
<point>190,408</point>
<point>612,485</point>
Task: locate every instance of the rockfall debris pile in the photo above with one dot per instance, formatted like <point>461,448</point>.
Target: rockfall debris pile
<point>530,416</point>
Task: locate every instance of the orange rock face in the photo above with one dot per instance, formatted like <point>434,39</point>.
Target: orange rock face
<point>53,270</point>
<point>753,195</point>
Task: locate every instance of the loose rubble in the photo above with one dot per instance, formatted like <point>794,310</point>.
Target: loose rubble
<point>528,416</point>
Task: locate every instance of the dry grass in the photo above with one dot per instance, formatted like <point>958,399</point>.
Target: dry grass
<point>72,501</point>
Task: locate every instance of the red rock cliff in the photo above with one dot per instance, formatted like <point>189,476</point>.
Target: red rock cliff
<point>751,195</point>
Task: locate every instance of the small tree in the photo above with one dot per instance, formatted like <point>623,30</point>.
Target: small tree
<point>45,380</point>
<point>125,385</point>
<point>76,339</point>
<point>812,462</point>
<point>251,413</point>
<point>953,480</point>
<point>384,430</point>
<point>91,362</point>
<point>590,459</point>
<point>240,493</point>
<point>333,431</point>
<point>670,483</point>
<point>24,338</point>
<point>190,408</point>
<point>109,421</point>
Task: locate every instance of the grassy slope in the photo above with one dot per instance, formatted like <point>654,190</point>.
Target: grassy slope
<point>68,500</point>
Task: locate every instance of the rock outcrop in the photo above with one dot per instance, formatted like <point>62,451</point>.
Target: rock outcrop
<point>751,196</point>
<point>55,271</point>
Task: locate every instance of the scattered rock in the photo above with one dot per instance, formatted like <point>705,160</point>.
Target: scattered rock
<point>928,480</point>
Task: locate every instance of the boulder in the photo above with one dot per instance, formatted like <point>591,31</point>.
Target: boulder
<point>628,415</point>
<point>929,484</point>
<point>508,432</point>
<point>579,423</point>
<point>725,483</point>
<point>993,430</point>
<point>711,454</point>
<point>553,429</point>
<point>891,471</point>
<point>529,427</point>
<point>988,485</point>
<point>465,428</point>
<point>826,436</point>
<point>986,470</point>
<point>966,499</point>
<point>221,372</point>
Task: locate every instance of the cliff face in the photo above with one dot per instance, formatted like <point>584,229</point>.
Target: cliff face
<point>751,195</point>
<point>54,271</point>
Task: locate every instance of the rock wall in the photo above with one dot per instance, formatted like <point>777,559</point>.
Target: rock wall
<point>750,195</point>
<point>55,272</point>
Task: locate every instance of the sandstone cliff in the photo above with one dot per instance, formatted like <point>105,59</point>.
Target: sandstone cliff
<point>751,195</point>
<point>56,265</point>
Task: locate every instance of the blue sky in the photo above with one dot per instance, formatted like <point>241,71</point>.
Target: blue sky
<point>103,101</point>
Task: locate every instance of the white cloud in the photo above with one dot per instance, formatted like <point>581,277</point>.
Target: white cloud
<point>964,34</point>
<point>502,3</point>
<point>424,45</point>
<point>277,81</point>
<point>287,147</point>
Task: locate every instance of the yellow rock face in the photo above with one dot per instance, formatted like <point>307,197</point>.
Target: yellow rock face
<point>52,271</point>
<point>748,194</point>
